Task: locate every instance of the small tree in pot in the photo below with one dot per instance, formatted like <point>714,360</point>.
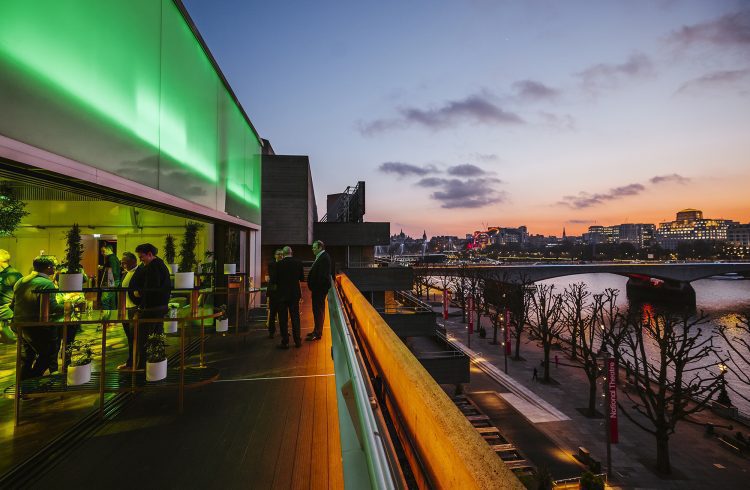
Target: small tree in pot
<point>185,278</point>
<point>80,354</point>
<point>222,322</point>
<point>169,253</point>
<point>72,279</point>
<point>231,251</point>
<point>156,357</point>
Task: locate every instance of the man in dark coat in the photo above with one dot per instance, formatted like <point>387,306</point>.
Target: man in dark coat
<point>152,287</point>
<point>271,293</point>
<point>289,273</point>
<point>40,343</point>
<point>319,282</point>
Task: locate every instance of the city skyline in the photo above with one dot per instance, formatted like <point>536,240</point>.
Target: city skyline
<point>541,114</point>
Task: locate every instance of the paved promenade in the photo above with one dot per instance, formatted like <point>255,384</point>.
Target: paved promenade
<point>698,462</point>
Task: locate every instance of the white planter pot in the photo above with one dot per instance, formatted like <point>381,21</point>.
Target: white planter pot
<point>184,280</point>
<point>173,268</point>
<point>70,282</point>
<point>78,375</point>
<point>156,371</point>
<point>230,268</point>
<point>170,327</point>
<point>222,325</point>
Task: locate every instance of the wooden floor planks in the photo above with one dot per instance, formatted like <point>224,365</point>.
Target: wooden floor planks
<point>244,432</point>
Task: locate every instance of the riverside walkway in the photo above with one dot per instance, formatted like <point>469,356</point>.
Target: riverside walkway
<point>698,462</point>
<point>271,421</point>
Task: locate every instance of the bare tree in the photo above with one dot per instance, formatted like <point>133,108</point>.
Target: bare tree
<point>575,303</point>
<point>545,322</point>
<point>738,351</point>
<point>614,323</point>
<point>673,382</point>
<point>519,308</point>
<point>582,316</point>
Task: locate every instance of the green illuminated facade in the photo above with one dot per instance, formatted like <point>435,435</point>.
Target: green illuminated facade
<point>127,88</point>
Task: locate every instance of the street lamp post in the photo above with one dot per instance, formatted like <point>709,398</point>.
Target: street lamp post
<point>604,354</point>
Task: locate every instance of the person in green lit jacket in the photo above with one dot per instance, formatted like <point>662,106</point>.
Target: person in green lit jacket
<point>40,343</point>
<point>111,274</point>
<point>8,278</point>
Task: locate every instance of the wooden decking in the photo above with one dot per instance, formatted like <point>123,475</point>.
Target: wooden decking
<point>271,421</point>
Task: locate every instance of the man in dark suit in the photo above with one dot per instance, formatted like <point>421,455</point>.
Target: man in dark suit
<point>289,272</point>
<point>319,282</point>
<point>271,294</point>
<point>152,288</point>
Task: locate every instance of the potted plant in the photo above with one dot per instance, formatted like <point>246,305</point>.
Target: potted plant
<point>222,322</point>
<point>72,279</point>
<point>171,325</point>
<point>80,354</point>
<point>185,278</point>
<point>230,252</point>
<point>11,210</point>
<point>169,253</point>
<point>156,357</point>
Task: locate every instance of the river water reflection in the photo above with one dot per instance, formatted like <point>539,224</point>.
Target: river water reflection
<point>720,299</point>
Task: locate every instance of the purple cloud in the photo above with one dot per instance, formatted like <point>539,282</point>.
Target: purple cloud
<point>586,200</point>
<point>465,170</point>
<point>477,109</point>
<point>470,193</point>
<point>714,80</point>
<point>533,90</point>
<point>405,169</point>
<point>606,75</point>
<point>730,30</point>
<point>666,179</point>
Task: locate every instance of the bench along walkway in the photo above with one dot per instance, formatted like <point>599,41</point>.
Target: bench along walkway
<point>270,421</point>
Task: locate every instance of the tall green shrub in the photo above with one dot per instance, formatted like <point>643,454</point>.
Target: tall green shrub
<point>74,250</point>
<point>11,210</point>
<point>188,261</point>
<point>169,250</point>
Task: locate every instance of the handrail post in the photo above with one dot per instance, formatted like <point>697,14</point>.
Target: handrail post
<point>17,400</point>
<point>182,370</point>
<point>103,372</point>
<point>203,342</point>
<point>134,367</point>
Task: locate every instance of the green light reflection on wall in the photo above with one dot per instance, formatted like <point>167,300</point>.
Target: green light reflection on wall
<point>134,66</point>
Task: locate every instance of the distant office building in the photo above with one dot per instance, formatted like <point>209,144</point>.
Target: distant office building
<point>739,235</point>
<point>602,234</point>
<point>690,225</point>
<point>445,243</point>
<point>503,236</point>
<point>638,234</point>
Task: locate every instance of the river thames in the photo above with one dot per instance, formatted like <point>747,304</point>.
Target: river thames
<point>720,299</point>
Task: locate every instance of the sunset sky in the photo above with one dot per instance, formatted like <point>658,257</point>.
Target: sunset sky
<point>459,115</point>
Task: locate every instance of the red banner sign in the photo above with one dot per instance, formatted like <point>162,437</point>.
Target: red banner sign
<point>612,409</point>
<point>445,304</point>
<point>507,332</point>
<point>470,312</point>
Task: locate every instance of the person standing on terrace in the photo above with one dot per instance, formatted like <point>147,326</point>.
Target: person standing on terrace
<point>272,295</point>
<point>289,273</point>
<point>110,277</point>
<point>153,287</point>
<point>40,343</point>
<point>8,278</point>
<point>319,282</point>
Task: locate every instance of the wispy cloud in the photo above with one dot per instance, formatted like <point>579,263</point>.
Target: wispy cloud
<point>533,90</point>
<point>730,30</point>
<point>558,121</point>
<point>466,170</point>
<point>672,178</point>
<point>608,75</point>
<point>486,157</point>
<point>406,169</point>
<point>587,200</point>
<point>581,221</point>
<point>714,80</point>
<point>469,193</point>
<point>476,109</point>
